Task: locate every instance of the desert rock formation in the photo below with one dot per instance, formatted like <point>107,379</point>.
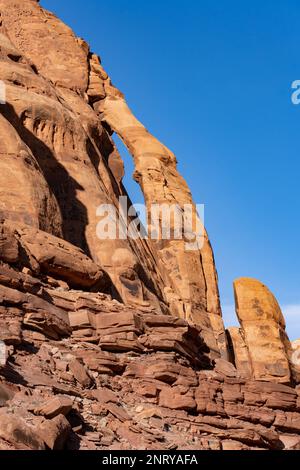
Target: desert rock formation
<point>190,275</point>
<point>263,330</point>
<point>90,327</point>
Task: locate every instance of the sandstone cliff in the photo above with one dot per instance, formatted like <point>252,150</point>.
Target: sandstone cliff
<point>90,327</point>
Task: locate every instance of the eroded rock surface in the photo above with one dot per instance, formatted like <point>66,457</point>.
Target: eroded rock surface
<point>262,336</point>
<point>88,372</point>
<point>115,344</point>
<point>59,106</point>
<point>56,158</point>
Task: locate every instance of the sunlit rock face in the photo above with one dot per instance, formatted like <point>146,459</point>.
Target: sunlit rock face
<point>115,343</point>
<point>59,151</point>
<point>262,331</point>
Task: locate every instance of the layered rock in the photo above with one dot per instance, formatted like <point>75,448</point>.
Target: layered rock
<point>55,158</point>
<point>120,343</point>
<point>44,253</point>
<point>239,351</point>
<point>107,376</point>
<point>188,263</point>
<point>261,347</point>
<point>75,167</point>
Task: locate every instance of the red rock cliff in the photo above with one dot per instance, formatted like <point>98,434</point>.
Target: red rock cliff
<point>89,328</point>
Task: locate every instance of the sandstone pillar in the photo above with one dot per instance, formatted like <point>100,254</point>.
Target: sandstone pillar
<point>263,327</point>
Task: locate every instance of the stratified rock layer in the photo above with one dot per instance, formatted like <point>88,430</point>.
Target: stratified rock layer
<point>83,371</point>
<point>55,157</point>
<point>263,332</point>
<point>104,343</point>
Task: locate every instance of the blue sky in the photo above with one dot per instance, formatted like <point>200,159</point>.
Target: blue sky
<point>212,80</point>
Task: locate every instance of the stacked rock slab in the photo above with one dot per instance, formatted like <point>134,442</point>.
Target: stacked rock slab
<point>79,370</point>
<point>61,155</point>
<point>262,336</point>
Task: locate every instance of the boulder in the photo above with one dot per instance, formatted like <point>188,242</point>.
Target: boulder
<point>6,393</point>
<point>55,432</point>
<point>171,398</point>
<point>60,405</point>
<point>15,430</point>
<point>80,373</point>
<point>44,253</point>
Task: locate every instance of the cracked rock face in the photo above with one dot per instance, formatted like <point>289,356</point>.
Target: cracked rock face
<point>262,336</point>
<point>115,344</point>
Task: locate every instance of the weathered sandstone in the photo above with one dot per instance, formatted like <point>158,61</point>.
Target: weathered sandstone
<point>115,344</point>
<point>263,330</point>
<point>49,114</point>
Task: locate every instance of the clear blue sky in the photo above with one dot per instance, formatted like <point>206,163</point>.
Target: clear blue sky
<point>212,80</point>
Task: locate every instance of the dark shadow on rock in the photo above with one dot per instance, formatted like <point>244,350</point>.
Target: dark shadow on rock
<point>73,442</point>
<point>11,375</point>
<point>76,420</point>
<point>62,185</point>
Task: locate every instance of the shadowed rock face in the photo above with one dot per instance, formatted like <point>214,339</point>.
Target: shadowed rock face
<point>115,344</point>
<point>240,352</point>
